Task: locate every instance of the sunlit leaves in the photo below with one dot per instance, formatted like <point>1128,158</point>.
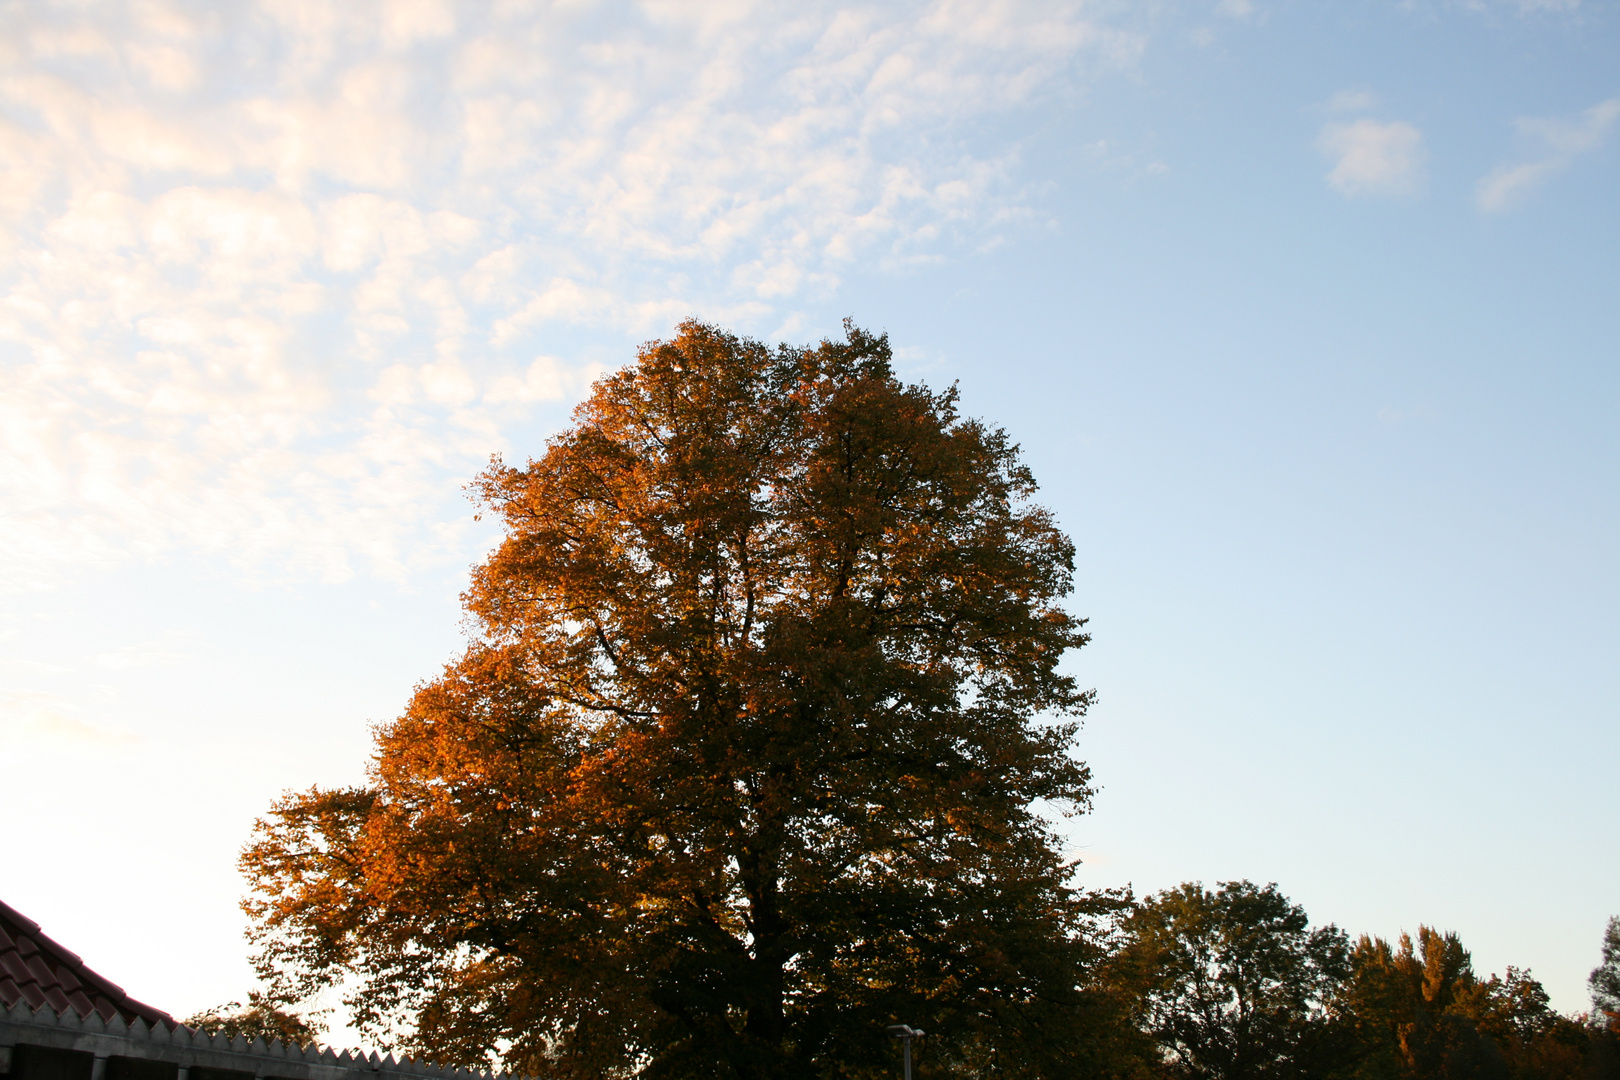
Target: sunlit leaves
<point>741,766</point>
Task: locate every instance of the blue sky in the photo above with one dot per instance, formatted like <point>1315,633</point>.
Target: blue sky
<point>1305,316</point>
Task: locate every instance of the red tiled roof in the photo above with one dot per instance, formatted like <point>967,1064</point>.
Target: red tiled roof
<point>37,970</point>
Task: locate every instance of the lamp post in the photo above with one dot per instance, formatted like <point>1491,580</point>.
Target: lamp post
<point>905,1034</point>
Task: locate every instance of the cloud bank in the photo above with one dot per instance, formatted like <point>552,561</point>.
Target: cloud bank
<point>276,278</point>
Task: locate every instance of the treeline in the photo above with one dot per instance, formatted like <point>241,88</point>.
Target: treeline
<point>1234,983</point>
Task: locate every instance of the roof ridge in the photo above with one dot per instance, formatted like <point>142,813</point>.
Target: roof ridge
<point>61,978</point>
<point>11,914</point>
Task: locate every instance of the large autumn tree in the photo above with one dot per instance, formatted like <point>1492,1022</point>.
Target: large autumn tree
<point>747,759</point>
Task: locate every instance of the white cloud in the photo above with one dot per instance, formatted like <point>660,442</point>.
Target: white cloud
<point>1505,184</point>
<point>1352,101</point>
<point>276,279</point>
<point>1373,158</point>
<point>38,720</point>
<point>546,379</point>
<point>1558,142</point>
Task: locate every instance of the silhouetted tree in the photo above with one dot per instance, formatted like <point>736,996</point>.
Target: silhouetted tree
<point>1232,984</point>
<point>1605,978</point>
<point>262,1017</point>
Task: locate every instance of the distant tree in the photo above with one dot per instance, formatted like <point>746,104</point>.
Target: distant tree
<point>1536,1041</point>
<point>745,760</point>
<point>1413,1010</point>
<point>1605,979</point>
<point>1233,984</point>
<point>260,1018</point>
<point>1420,1013</point>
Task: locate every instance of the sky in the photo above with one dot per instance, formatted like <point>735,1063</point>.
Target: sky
<point>1306,316</point>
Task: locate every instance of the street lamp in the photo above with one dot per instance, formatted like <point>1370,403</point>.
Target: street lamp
<point>905,1034</point>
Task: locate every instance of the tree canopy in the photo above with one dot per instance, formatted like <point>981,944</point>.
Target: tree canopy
<point>1419,1012</point>
<point>1233,984</point>
<point>743,761</point>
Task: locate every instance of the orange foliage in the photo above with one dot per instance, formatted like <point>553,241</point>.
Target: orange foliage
<point>741,765</point>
